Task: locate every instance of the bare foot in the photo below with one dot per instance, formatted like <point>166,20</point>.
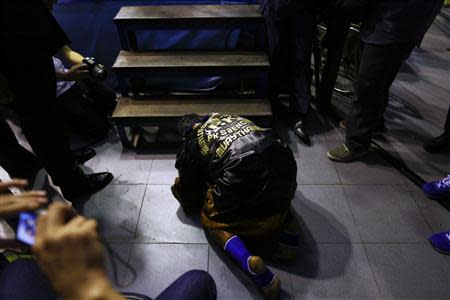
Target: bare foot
<point>258,267</point>
<point>272,292</point>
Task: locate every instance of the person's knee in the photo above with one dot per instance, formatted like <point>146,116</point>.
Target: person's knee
<point>202,281</point>
<point>199,276</point>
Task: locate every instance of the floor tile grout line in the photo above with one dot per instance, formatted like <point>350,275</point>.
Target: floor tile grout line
<point>420,210</point>
<point>372,272</point>
<point>150,171</point>
<point>140,212</point>
<point>358,230</point>
<point>352,213</point>
<point>334,163</point>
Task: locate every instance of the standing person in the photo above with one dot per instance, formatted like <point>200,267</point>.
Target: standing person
<point>337,17</point>
<point>241,179</point>
<point>27,27</point>
<point>442,141</point>
<point>389,34</point>
<point>291,26</point>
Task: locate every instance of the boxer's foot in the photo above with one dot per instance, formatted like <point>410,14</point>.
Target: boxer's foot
<point>273,284</point>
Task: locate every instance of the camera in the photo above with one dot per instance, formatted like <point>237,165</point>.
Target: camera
<point>97,70</point>
<point>26,227</point>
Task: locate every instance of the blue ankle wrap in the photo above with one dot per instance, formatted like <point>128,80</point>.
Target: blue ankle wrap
<point>236,248</point>
<point>265,279</point>
<point>289,239</point>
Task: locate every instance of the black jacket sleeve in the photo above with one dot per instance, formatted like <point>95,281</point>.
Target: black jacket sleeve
<point>191,172</point>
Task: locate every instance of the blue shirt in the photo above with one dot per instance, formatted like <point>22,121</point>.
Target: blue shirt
<point>399,21</point>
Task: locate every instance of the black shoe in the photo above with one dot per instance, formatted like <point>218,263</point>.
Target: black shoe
<point>84,155</point>
<point>300,132</point>
<point>90,185</point>
<point>98,181</point>
<point>438,144</point>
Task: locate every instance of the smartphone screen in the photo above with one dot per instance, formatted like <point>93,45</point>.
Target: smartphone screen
<point>26,230</point>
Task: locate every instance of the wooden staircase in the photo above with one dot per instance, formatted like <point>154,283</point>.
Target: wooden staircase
<point>134,109</point>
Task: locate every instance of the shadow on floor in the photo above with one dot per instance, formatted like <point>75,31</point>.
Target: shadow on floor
<point>309,256</point>
<point>189,218</point>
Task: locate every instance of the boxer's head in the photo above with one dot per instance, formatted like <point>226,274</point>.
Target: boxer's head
<point>187,122</point>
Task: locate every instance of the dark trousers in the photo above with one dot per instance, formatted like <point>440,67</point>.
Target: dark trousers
<point>23,280</point>
<point>34,89</point>
<point>334,42</point>
<point>378,68</point>
<point>193,285</point>
<point>290,29</point>
<point>17,161</point>
<point>86,107</point>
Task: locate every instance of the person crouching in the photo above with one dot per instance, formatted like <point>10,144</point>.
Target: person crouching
<point>242,180</point>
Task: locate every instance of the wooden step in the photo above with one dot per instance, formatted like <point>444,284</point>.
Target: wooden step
<point>189,60</point>
<point>188,14</point>
<point>128,108</point>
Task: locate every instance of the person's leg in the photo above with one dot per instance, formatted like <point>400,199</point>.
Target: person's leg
<point>17,161</point>
<point>81,115</point>
<point>335,38</point>
<point>104,98</point>
<point>277,35</point>
<point>252,265</point>
<point>369,93</point>
<point>193,285</point>
<point>379,67</point>
<point>301,30</point>
<point>35,100</point>
<point>23,280</point>
<point>301,26</point>
<point>400,53</point>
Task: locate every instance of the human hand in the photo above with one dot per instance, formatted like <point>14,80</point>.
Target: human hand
<point>175,188</point>
<point>77,72</point>
<point>70,254</point>
<point>11,204</point>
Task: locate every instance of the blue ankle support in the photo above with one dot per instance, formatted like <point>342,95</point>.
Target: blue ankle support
<point>236,248</point>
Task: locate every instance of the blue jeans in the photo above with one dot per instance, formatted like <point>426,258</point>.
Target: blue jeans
<point>192,285</point>
<point>23,280</point>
